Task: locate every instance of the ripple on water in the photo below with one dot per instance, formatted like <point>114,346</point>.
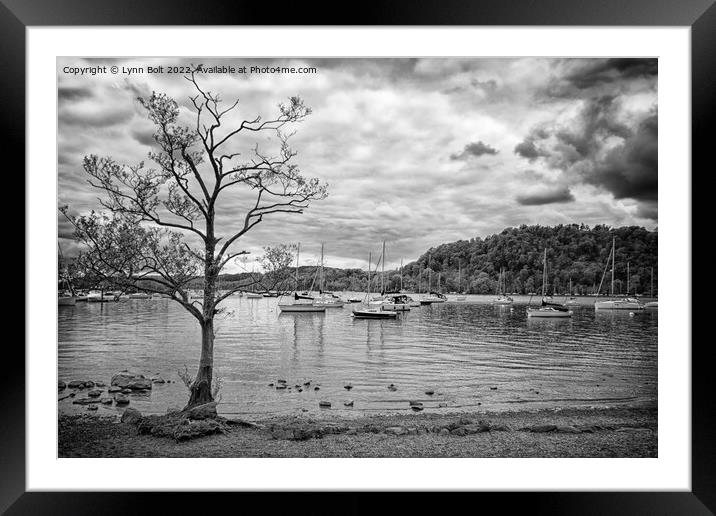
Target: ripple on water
<point>458,349</point>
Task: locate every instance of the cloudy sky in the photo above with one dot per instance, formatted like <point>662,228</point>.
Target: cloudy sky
<point>416,152</point>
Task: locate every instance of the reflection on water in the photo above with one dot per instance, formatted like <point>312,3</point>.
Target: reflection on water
<point>471,353</point>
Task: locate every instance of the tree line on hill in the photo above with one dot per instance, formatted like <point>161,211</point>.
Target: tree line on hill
<point>575,253</point>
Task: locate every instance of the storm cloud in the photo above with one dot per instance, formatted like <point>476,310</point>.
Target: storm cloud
<point>416,152</point>
<point>474,150</point>
<point>558,195</point>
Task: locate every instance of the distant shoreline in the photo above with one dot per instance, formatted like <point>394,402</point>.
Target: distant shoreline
<point>569,432</point>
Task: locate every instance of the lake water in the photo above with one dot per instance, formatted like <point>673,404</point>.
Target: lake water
<point>472,354</point>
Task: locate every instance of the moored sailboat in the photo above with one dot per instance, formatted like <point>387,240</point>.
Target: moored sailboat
<point>296,302</point>
<point>374,311</point>
<point>626,303</point>
<point>548,309</point>
<point>327,299</point>
<point>502,298</point>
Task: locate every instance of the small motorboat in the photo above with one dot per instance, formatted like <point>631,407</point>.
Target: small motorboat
<point>503,300</point>
<point>97,296</point>
<point>433,297</point>
<point>139,295</point>
<point>651,305</point>
<point>396,303</point>
<point>548,311</point>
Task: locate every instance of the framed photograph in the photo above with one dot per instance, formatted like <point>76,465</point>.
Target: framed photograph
<point>426,251</point>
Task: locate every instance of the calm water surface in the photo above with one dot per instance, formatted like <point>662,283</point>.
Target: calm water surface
<point>472,354</point>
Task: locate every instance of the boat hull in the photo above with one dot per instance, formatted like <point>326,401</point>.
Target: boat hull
<point>301,308</point>
<point>331,305</point>
<point>540,313</point>
<point>66,301</point>
<point>374,314</point>
<point>396,307</point>
<point>617,305</point>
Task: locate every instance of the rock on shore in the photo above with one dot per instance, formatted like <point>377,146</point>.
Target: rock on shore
<point>131,380</point>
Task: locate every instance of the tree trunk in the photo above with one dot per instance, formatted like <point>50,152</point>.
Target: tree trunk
<point>201,388</point>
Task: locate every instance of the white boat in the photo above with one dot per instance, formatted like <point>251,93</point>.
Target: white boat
<point>329,300</point>
<point>412,302</point>
<point>139,295</point>
<point>545,312</point>
<point>433,297</point>
<point>254,295</point>
<point>502,298</point>
<point>374,313</point>
<point>97,296</point>
<point>626,303</point>
<point>652,305</point>
<point>548,308</point>
<point>572,301</point>
<point>459,278</point>
<point>375,305</point>
<point>396,303</point>
<point>296,302</point>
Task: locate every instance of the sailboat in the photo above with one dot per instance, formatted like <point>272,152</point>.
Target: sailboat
<point>459,277</point>
<point>502,298</point>
<point>327,299</point>
<point>296,302</point>
<point>652,305</point>
<point>627,303</point>
<point>548,309</point>
<point>373,311</point>
<point>432,296</point>
<point>572,301</point>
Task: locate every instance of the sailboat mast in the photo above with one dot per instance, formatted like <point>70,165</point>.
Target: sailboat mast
<point>298,253</point>
<point>382,271</point>
<point>652,283</point>
<point>322,274</point>
<point>430,274</point>
<point>613,253</point>
<point>459,273</point>
<point>544,273</point>
<point>370,258</point>
<point>628,278</point>
<point>401,274</point>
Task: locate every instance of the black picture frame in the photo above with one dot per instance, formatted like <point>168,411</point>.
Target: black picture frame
<point>700,15</point>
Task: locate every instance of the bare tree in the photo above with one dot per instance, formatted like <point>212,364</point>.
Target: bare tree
<point>276,263</point>
<point>160,223</point>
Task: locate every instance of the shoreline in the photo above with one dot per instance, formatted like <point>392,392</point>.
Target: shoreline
<point>568,432</point>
